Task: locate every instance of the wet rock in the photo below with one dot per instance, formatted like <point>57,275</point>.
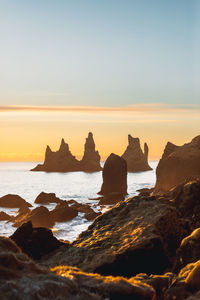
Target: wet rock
<point>4,216</point>
<point>13,201</point>
<point>92,215</point>
<point>40,217</point>
<point>137,235</point>
<point>63,161</point>
<point>35,242</point>
<point>84,208</point>
<point>63,213</point>
<point>91,158</point>
<point>114,176</point>
<point>137,161</point>
<point>45,198</point>
<point>178,165</point>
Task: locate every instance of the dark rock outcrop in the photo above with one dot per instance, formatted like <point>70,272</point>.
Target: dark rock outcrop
<point>22,278</point>
<point>4,216</point>
<point>13,201</point>
<point>179,164</point>
<point>91,158</point>
<point>63,161</point>
<point>137,235</point>
<point>45,198</point>
<point>63,213</point>
<point>40,217</point>
<point>114,176</point>
<point>137,161</point>
<point>35,242</point>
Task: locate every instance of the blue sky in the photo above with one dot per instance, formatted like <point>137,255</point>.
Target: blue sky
<point>109,52</point>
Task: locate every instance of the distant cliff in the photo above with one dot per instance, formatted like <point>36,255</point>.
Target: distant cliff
<point>137,161</point>
<point>63,161</point>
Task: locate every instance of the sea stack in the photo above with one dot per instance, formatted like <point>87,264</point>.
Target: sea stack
<point>91,158</point>
<point>63,161</point>
<point>137,161</point>
<point>114,176</point>
<point>178,165</point>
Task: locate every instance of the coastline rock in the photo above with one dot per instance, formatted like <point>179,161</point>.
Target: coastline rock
<point>63,161</point>
<point>137,161</point>
<point>91,158</point>
<point>46,198</point>
<point>4,216</point>
<point>13,201</point>
<point>35,242</point>
<point>178,165</point>
<point>114,176</point>
<point>91,216</point>
<point>137,235</point>
<point>40,217</point>
<point>84,208</point>
<point>111,199</point>
<point>63,213</point>
<point>22,278</point>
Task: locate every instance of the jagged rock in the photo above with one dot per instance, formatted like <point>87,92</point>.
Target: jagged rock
<point>45,198</point>
<point>114,176</point>
<point>84,208</point>
<point>179,164</point>
<point>137,161</point>
<point>137,235</point>
<point>40,217</point>
<point>35,242</point>
<point>92,215</point>
<point>4,216</point>
<point>63,213</point>
<point>111,198</point>
<point>13,201</point>
<point>21,278</point>
<point>91,158</point>
<point>63,161</point>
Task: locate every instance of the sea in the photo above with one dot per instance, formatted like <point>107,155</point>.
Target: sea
<point>16,178</point>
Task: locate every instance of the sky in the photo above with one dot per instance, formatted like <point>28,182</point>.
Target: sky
<point>114,67</point>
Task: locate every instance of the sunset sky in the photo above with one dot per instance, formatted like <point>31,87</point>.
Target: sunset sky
<point>112,67</point>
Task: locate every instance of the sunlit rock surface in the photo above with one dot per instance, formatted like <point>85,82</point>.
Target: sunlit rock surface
<point>178,164</point>
<point>63,161</point>
<point>137,160</point>
<point>137,235</point>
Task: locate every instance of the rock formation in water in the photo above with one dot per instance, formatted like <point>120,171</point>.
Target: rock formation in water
<point>63,213</point>
<point>114,177</point>
<point>13,201</point>
<point>46,198</point>
<point>63,161</point>
<point>178,164</point>
<point>137,161</point>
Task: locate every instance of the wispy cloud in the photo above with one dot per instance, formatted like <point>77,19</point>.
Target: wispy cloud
<point>145,107</point>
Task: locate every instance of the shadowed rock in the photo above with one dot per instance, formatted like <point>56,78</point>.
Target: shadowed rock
<point>179,164</point>
<point>40,217</point>
<point>45,198</point>
<point>13,201</point>
<point>114,176</point>
<point>137,161</point>
<point>137,235</point>
<point>63,213</point>
<point>63,161</point>
<point>35,242</point>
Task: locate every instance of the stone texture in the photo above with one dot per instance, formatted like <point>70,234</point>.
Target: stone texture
<point>178,165</point>
<point>63,213</point>
<point>114,176</point>
<point>13,201</point>
<point>137,161</point>
<point>63,161</point>
<point>35,242</point>
<point>137,235</point>
<point>4,216</point>
<point>46,198</point>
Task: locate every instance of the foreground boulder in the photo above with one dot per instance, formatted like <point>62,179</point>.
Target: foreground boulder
<point>13,201</point>
<point>40,217</point>
<point>137,161</point>
<point>137,235</point>
<point>21,278</point>
<point>179,164</point>
<point>114,176</point>
<point>63,161</point>
<point>35,242</point>
<point>46,198</point>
